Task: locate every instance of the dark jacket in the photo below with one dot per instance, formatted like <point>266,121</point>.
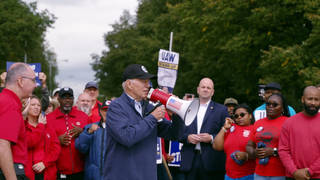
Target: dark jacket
<point>94,147</point>
<point>132,140</point>
<point>212,122</point>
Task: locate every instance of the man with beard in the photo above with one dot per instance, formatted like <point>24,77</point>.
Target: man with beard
<point>299,144</point>
<point>84,103</point>
<point>68,123</point>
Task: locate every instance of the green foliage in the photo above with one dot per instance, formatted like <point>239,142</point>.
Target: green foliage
<point>22,31</point>
<point>239,44</point>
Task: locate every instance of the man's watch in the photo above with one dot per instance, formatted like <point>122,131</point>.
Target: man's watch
<point>275,152</point>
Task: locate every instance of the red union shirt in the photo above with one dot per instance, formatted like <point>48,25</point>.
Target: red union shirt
<point>70,160</point>
<point>95,116</point>
<point>12,125</point>
<point>236,139</point>
<point>268,131</point>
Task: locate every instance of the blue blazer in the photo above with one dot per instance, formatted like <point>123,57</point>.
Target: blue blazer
<point>132,140</point>
<point>213,121</point>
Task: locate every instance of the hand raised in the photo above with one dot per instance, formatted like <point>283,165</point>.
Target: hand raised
<point>228,123</point>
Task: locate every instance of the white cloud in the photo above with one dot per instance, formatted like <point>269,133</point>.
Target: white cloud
<point>78,32</point>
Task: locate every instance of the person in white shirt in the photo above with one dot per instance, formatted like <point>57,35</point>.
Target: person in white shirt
<point>198,160</point>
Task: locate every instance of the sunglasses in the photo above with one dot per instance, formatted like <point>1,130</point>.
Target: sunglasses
<point>272,104</point>
<point>236,116</point>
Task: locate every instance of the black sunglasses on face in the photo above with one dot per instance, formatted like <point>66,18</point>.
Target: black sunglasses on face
<point>272,104</point>
<point>236,116</point>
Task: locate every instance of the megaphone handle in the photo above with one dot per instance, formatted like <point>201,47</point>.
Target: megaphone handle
<point>155,107</point>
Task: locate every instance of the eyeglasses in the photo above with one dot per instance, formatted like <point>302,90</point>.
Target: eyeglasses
<point>32,79</point>
<point>236,116</point>
<point>272,104</point>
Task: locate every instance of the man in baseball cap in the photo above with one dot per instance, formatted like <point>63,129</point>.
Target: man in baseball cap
<point>270,88</point>
<point>68,122</point>
<point>136,71</point>
<point>231,103</point>
<point>92,89</point>
<point>132,131</point>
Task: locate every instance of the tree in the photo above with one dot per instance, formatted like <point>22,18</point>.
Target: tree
<point>239,44</point>
<point>22,32</point>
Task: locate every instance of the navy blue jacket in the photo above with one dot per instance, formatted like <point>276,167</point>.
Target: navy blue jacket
<point>132,140</point>
<point>94,147</point>
<point>212,123</point>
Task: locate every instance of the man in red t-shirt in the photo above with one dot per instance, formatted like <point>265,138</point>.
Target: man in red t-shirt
<point>299,144</point>
<point>20,83</point>
<point>68,122</point>
<point>92,89</point>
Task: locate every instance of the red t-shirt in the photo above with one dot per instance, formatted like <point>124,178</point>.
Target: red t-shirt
<point>268,131</point>
<point>12,125</point>
<point>95,116</point>
<point>236,139</point>
<point>70,160</point>
<point>299,145</point>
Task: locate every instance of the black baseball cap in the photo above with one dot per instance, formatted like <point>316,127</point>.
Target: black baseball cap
<point>64,91</point>
<point>136,71</point>
<point>273,85</point>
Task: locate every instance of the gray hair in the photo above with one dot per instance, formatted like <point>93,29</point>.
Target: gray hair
<point>15,71</point>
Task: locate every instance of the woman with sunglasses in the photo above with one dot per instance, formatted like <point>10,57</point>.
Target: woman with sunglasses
<point>233,138</point>
<point>263,144</point>
<point>43,144</point>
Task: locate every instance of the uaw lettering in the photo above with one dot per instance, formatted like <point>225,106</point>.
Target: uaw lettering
<point>167,68</point>
<point>168,56</point>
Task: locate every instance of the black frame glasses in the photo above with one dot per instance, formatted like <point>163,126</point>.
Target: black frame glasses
<point>32,79</point>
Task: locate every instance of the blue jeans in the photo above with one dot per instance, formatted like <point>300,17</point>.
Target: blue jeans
<point>249,177</point>
<point>257,177</point>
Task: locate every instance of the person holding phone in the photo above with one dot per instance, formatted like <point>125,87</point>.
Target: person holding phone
<point>233,138</point>
<point>43,144</point>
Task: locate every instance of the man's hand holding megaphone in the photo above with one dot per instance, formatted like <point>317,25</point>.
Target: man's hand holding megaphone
<point>159,112</point>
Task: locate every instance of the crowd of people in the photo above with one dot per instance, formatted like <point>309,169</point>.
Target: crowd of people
<point>59,138</point>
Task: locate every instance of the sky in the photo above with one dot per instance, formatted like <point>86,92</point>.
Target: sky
<point>78,32</point>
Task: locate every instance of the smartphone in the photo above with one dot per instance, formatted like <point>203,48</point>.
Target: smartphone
<point>189,95</point>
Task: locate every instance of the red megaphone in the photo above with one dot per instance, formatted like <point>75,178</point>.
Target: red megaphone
<point>187,110</point>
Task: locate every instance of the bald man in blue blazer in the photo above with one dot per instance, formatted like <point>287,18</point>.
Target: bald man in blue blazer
<point>199,161</point>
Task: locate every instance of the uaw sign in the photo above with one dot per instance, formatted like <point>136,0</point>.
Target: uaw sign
<point>167,68</point>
